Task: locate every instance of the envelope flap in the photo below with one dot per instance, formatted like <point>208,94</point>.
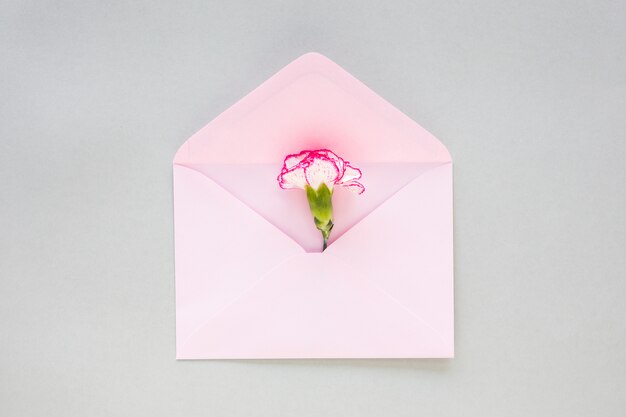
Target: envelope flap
<point>312,103</point>
<point>406,247</point>
<point>314,303</point>
<point>221,248</point>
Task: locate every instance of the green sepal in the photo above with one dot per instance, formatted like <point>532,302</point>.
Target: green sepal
<point>321,205</point>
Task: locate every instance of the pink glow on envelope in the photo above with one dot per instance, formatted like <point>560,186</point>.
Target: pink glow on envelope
<point>248,283</point>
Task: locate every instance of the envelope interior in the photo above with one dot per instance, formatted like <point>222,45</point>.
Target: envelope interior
<point>255,185</point>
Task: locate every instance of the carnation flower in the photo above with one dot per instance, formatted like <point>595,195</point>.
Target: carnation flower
<point>318,172</point>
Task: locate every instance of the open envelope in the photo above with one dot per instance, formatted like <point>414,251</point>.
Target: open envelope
<point>251,281</point>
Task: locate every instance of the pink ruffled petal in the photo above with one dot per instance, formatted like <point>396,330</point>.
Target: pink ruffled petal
<point>294,178</point>
<point>354,186</point>
<point>321,170</point>
<point>351,173</point>
<point>293,160</point>
<point>332,156</point>
<point>316,167</point>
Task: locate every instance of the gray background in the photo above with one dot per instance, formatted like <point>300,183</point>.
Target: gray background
<point>96,97</point>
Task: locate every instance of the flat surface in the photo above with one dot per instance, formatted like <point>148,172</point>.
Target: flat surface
<point>529,98</point>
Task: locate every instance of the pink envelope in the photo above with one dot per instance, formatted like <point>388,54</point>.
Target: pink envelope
<point>251,281</point>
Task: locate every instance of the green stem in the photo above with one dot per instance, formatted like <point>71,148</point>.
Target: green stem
<point>325,229</point>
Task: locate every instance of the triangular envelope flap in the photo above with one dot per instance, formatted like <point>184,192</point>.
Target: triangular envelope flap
<point>217,248</point>
<point>312,103</point>
<point>406,247</point>
<point>256,186</point>
<point>313,306</point>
